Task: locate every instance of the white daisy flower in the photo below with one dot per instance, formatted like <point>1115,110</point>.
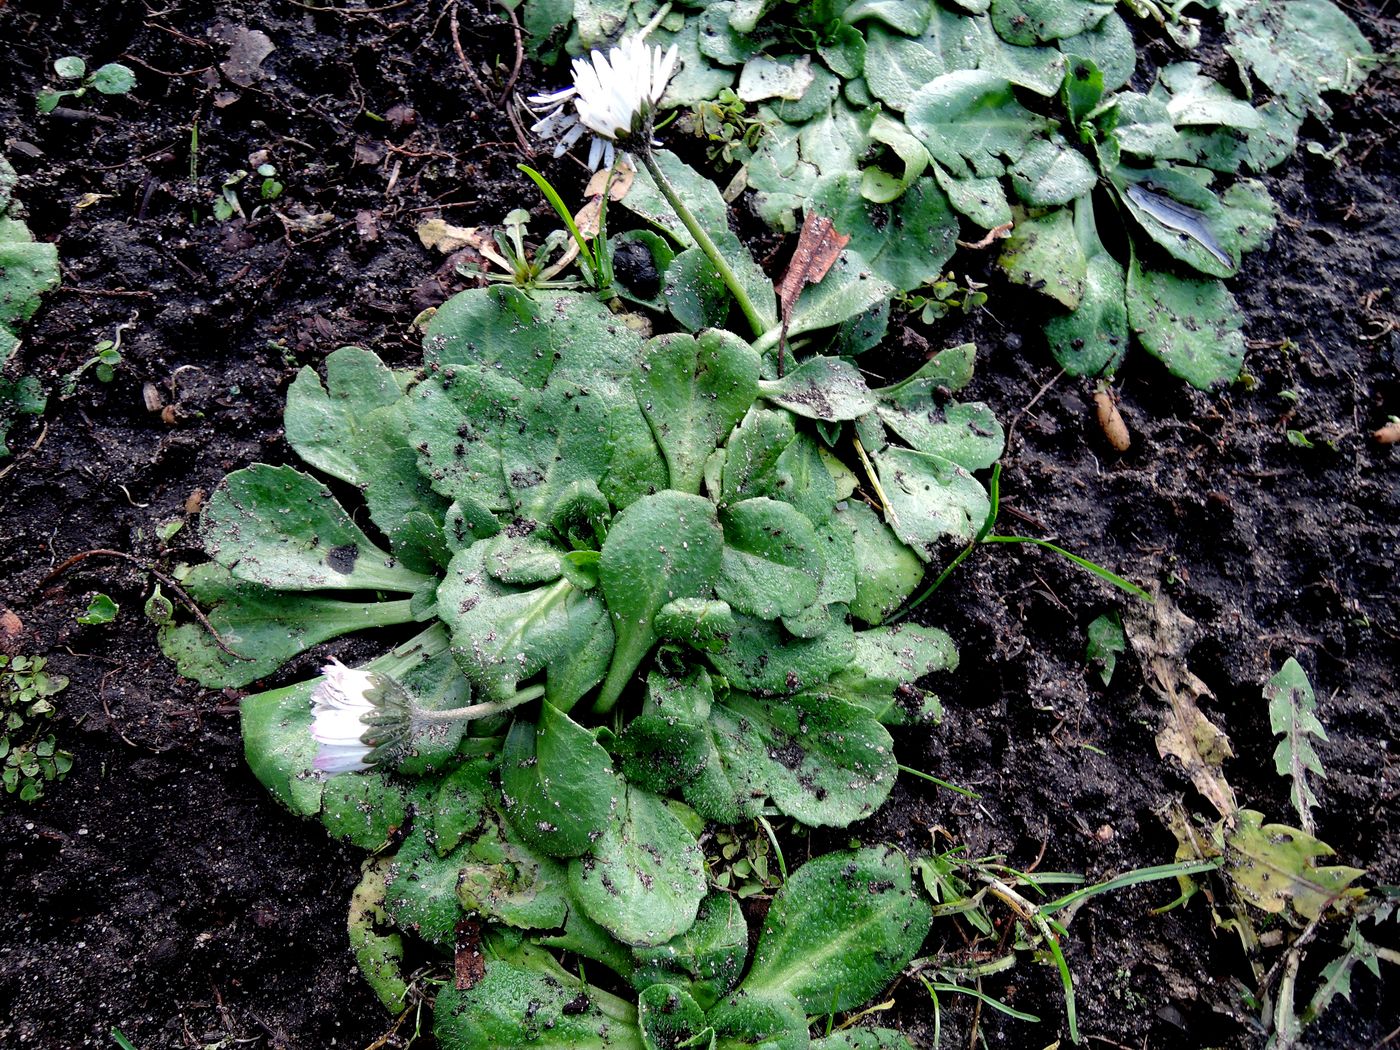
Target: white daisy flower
<point>339,706</point>
<point>614,96</point>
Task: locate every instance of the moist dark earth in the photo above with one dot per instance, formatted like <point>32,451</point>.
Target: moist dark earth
<point>160,891</point>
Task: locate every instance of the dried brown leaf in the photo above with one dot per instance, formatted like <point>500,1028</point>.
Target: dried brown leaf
<point>621,183</point>
<point>817,249</point>
<point>1161,635</point>
<point>442,236</point>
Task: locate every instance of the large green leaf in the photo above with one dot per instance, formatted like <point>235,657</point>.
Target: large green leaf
<point>930,499</point>
<point>1176,209</point>
<point>1298,50</point>
<point>557,783</point>
<point>663,547</point>
<point>887,571</point>
<point>965,434</point>
<point>822,760</point>
<point>280,528</point>
<point>840,929</point>
<point>503,635</point>
<point>644,879</point>
<point>1192,325</point>
<point>694,390</point>
<point>971,117</point>
<point>750,1021</point>
<point>1043,253</point>
<point>512,1006</point>
<point>764,657</point>
<point>770,566</point>
<point>1025,22</point>
<point>829,388</point>
<point>888,663</point>
<point>1092,339</point>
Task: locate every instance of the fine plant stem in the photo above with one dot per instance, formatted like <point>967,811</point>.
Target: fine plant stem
<point>965,792</point>
<point>1031,914</point>
<point>1131,878</point>
<point>874,480</point>
<point>777,850</point>
<point>702,239</point>
<point>472,711</point>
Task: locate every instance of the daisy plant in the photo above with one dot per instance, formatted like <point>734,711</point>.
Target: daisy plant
<point>626,587</point>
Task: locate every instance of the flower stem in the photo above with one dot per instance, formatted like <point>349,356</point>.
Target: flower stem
<point>473,711</point>
<point>741,296</point>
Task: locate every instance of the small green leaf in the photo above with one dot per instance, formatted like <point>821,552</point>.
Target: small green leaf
<point>70,67</point>
<point>752,1021</point>
<point>557,784</point>
<point>930,498</point>
<point>101,609</point>
<point>769,567</point>
<point>113,79</point>
<point>822,760</point>
<point>1106,640</point>
<point>842,926</point>
<point>1052,173</point>
<point>1293,715</point>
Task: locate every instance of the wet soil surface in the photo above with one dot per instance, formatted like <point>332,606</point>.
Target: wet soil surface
<point>159,889</point>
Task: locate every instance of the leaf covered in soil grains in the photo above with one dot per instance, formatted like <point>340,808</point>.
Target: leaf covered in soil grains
<point>28,268</point>
<point>537,1008</point>
<point>706,959</point>
<point>644,879</point>
<point>839,930</point>
<point>1293,715</point>
<point>864,1039</point>
<point>280,528</point>
<point>557,783</point>
<point>1193,326</point>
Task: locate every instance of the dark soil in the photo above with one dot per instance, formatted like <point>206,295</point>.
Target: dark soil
<point>159,890</point>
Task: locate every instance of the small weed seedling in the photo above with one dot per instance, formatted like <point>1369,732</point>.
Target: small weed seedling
<point>111,79</point>
<point>31,756</point>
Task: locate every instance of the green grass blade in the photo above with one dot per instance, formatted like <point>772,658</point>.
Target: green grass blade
<point>557,202</point>
<point>1096,569</point>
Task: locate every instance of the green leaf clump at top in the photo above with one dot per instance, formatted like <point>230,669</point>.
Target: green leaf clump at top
<point>898,120</point>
